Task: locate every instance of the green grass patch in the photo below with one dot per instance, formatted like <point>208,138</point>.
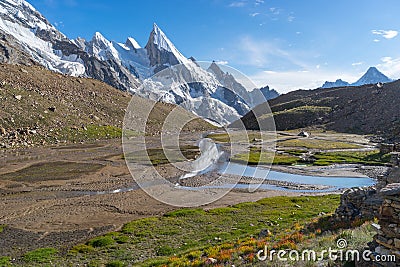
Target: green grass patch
<point>122,239</point>
<point>359,157</point>
<point>317,144</point>
<point>184,212</point>
<point>82,248</point>
<point>220,137</point>
<point>5,261</point>
<point>301,109</point>
<point>127,133</point>
<point>135,226</point>
<point>190,236</point>
<point>298,111</point>
<point>224,210</point>
<point>116,264</point>
<point>256,157</point>
<point>191,231</point>
<point>42,255</point>
<point>243,251</point>
<point>101,241</point>
<point>2,226</point>
<point>243,136</point>
<point>295,152</point>
<point>281,159</point>
<point>165,250</point>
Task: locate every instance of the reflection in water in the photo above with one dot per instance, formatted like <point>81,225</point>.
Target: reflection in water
<point>212,159</point>
<point>210,154</point>
<point>261,173</point>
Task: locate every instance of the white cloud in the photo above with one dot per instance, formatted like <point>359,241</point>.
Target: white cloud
<point>237,4</point>
<point>389,34</point>
<point>288,81</point>
<point>259,53</point>
<point>387,59</point>
<point>376,40</point>
<point>310,78</point>
<point>291,18</point>
<point>274,10</point>
<point>254,14</point>
<point>222,62</point>
<point>390,67</point>
<point>259,2</point>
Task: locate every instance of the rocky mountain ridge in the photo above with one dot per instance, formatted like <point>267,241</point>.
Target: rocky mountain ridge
<point>28,30</point>
<point>29,38</point>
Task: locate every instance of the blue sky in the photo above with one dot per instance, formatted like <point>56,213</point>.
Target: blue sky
<point>287,44</point>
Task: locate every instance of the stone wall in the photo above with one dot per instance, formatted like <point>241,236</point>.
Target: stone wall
<point>387,239</point>
<point>358,203</point>
<point>395,158</point>
<point>364,203</point>
<point>392,177</point>
<point>381,201</point>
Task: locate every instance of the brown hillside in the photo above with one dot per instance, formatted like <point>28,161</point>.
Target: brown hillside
<point>364,110</point>
<point>38,106</point>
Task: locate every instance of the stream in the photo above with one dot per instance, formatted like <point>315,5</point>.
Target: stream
<point>267,179</point>
<point>213,160</point>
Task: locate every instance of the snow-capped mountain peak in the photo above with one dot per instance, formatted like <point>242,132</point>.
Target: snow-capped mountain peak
<point>100,40</point>
<point>162,51</point>
<point>27,28</point>
<point>216,70</point>
<point>103,48</point>
<point>21,12</point>
<point>161,40</point>
<point>20,3</point>
<point>28,37</point>
<point>98,36</point>
<point>337,83</point>
<point>80,42</point>
<point>373,75</point>
<point>131,43</point>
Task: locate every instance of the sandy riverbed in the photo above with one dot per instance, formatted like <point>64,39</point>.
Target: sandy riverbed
<point>42,200</point>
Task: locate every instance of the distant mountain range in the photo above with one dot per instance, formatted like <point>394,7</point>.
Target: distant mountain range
<point>372,76</point>
<point>27,37</point>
